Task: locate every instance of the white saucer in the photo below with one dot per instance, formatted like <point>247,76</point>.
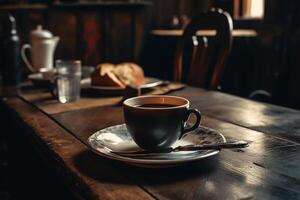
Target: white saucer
<point>117,138</point>
<point>46,78</point>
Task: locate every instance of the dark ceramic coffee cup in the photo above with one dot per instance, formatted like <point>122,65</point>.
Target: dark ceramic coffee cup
<point>158,121</point>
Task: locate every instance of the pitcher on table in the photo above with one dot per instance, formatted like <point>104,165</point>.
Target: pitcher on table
<point>42,46</point>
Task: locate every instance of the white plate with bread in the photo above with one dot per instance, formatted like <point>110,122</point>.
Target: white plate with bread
<point>112,79</point>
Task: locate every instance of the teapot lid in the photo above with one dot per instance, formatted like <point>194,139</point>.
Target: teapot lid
<point>40,33</point>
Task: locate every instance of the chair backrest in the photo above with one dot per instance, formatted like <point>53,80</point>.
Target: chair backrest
<point>208,54</point>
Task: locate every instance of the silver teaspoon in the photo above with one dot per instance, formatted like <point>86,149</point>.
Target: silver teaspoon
<point>218,146</point>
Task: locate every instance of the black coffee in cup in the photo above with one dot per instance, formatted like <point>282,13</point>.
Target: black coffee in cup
<point>158,121</point>
<point>156,105</point>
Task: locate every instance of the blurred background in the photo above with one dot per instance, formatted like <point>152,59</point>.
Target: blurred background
<point>264,58</point>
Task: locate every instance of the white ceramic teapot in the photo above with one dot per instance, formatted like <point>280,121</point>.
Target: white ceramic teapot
<point>42,46</point>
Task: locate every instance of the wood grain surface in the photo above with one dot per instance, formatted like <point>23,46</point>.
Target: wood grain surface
<point>268,169</point>
<point>90,97</point>
<point>68,157</point>
<point>234,174</point>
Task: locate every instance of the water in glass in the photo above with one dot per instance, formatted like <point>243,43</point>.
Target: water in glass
<point>68,88</point>
<point>68,80</point>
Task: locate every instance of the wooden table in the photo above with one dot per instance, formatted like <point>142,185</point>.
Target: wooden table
<point>179,32</point>
<point>268,169</point>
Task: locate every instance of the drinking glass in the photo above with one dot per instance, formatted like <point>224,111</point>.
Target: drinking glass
<point>68,80</point>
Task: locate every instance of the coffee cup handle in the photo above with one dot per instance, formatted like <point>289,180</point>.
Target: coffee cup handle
<point>24,57</point>
<point>197,123</point>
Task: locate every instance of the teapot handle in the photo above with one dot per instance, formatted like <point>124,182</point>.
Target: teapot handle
<point>24,57</point>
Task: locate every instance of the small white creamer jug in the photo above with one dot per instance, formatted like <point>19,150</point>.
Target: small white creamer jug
<point>42,46</point>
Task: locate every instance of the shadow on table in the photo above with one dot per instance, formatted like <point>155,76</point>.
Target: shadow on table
<point>103,169</point>
<point>94,93</point>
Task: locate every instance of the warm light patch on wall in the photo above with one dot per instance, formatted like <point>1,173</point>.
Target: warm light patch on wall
<point>248,9</point>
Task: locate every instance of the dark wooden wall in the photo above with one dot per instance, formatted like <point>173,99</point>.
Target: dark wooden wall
<point>96,33</point>
<point>162,10</point>
<point>276,53</point>
<point>107,31</point>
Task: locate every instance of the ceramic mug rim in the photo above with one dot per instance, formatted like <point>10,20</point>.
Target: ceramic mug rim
<point>128,102</point>
<point>60,61</point>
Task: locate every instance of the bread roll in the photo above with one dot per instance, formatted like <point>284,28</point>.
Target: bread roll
<point>119,75</point>
<point>103,76</point>
<point>129,73</point>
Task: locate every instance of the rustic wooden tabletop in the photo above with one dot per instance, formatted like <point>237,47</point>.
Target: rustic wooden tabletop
<point>268,169</point>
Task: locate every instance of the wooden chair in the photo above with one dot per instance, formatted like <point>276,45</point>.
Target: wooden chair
<point>208,54</point>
